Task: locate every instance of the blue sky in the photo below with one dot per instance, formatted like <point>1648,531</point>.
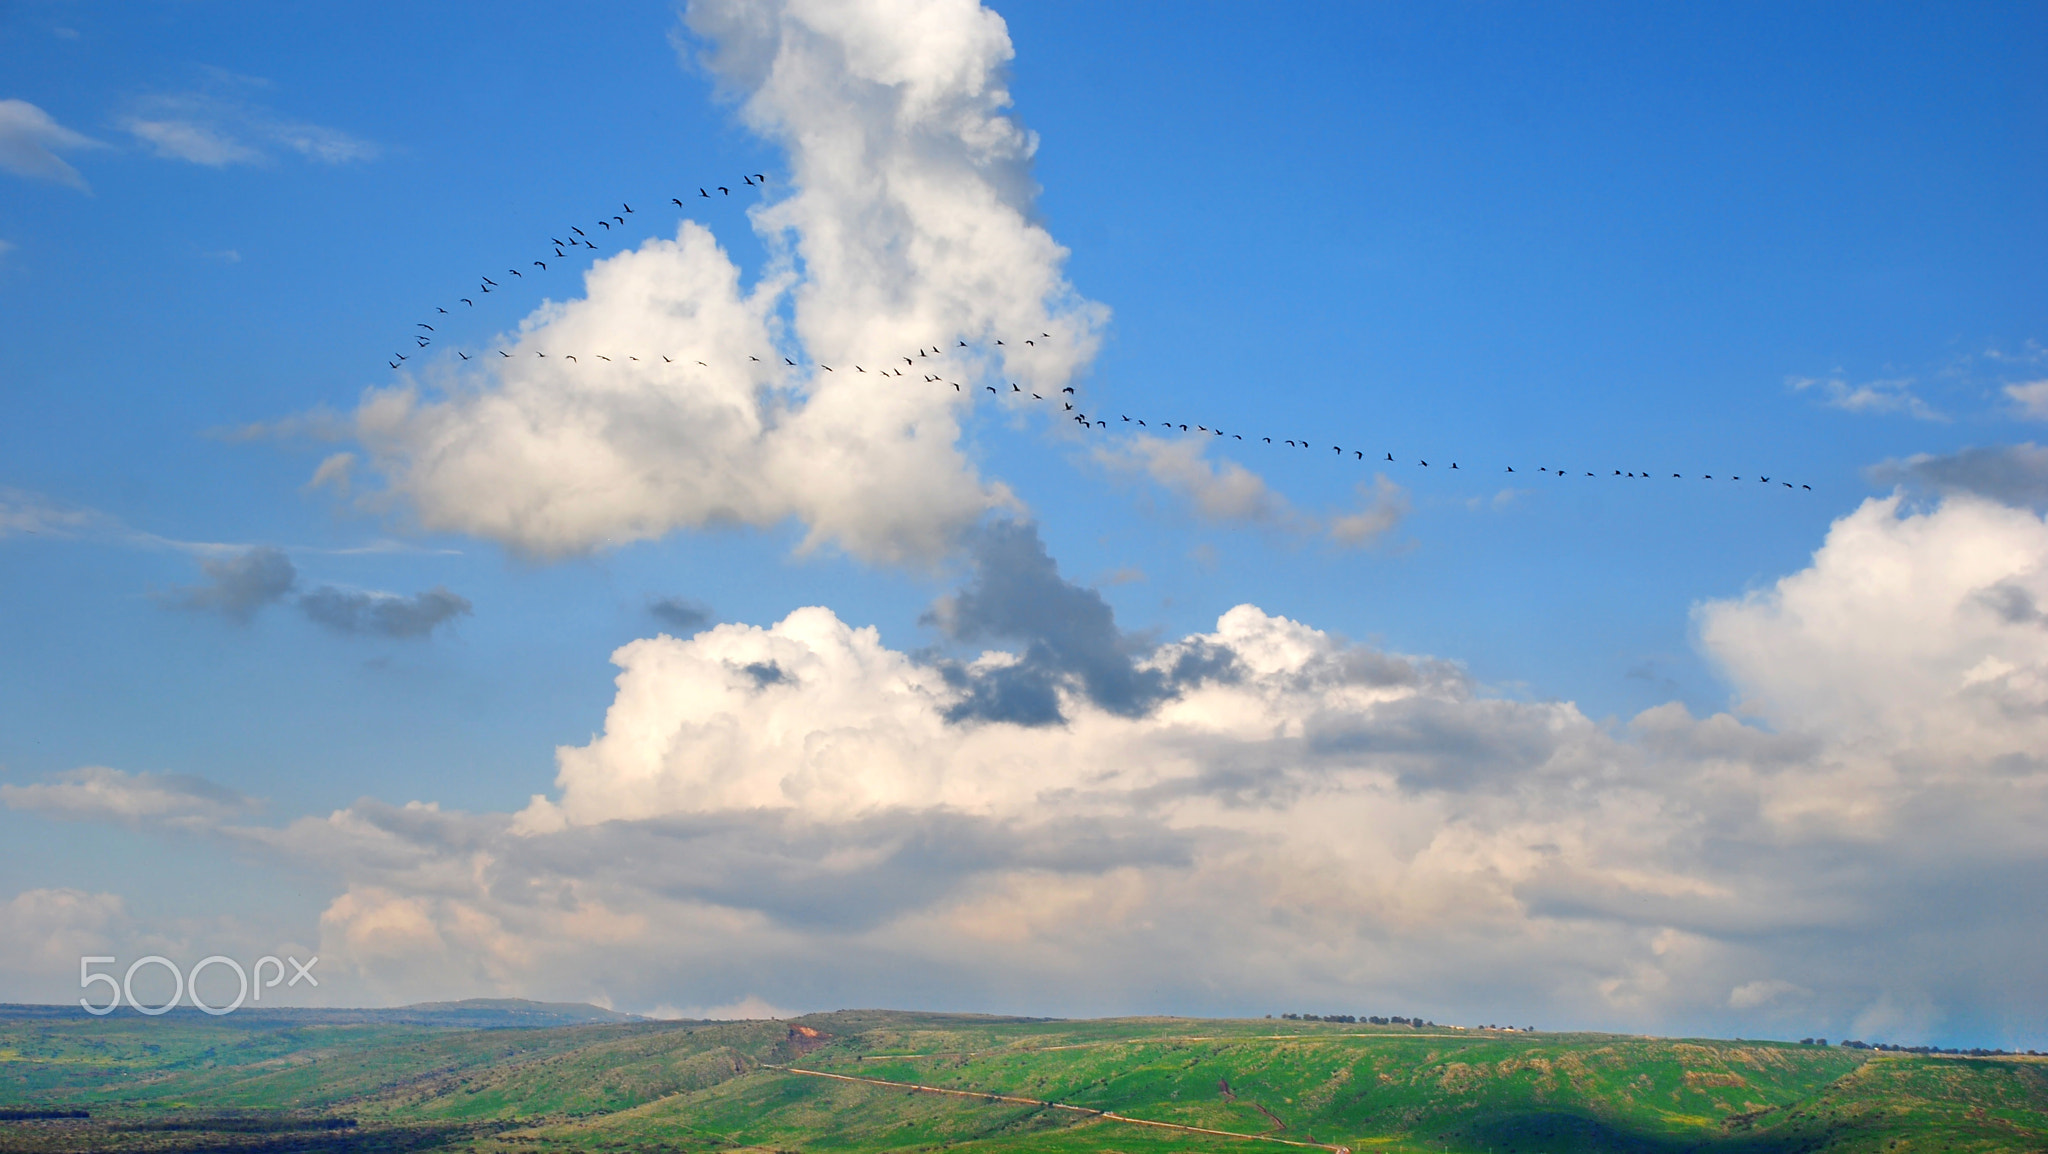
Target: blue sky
<point>1740,240</point>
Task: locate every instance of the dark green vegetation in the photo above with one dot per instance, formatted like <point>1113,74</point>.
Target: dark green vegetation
<point>429,1079</point>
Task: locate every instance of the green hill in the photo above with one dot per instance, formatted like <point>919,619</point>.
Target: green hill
<point>860,1081</point>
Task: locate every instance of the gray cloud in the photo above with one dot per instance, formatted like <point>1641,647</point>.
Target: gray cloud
<point>2014,474</point>
<point>681,614</point>
<point>238,586</point>
<point>96,793</point>
<point>30,141</point>
<point>375,614</point>
<point>1070,633</point>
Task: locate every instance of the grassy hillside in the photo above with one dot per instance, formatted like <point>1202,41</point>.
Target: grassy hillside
<point>862,1081</point>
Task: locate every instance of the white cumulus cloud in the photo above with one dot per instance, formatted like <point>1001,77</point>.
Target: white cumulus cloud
<point>1287,817</point>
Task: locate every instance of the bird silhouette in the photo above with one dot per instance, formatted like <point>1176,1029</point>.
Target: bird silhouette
<point>540,266</point>
<point>607,225</point>
<point>627,207</point>
<point>759,177</point>
<point>1068,389</point>
<point>464,356</point>
<point>577,231</point>
<point>725,190</point>
<point>439,309</point>
<point>678,202</point>
<point>790,363</point>
<point>424,325</point>
<point>620,219</point>
<point>701,192</point>
<point>489,281</point>
<point>503,353</point>
<point>747,180</point>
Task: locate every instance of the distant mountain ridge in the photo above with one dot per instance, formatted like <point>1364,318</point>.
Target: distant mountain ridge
<point>469,1013</point>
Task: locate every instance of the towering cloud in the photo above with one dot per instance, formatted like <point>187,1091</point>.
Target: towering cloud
<point>907,226</point>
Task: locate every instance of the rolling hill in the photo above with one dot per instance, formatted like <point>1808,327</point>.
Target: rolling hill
<point>508,1076</point>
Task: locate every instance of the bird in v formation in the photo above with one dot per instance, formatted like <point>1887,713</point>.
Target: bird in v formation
<point>759,180</point>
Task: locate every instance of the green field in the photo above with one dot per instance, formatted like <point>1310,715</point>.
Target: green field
<point>431,1080</point>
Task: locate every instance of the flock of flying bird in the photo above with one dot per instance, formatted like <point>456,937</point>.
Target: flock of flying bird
<point>1065,397</point>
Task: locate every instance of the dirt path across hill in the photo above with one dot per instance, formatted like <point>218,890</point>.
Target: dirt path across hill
<point>1106,1115</point>
<point>1467,1035</point>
